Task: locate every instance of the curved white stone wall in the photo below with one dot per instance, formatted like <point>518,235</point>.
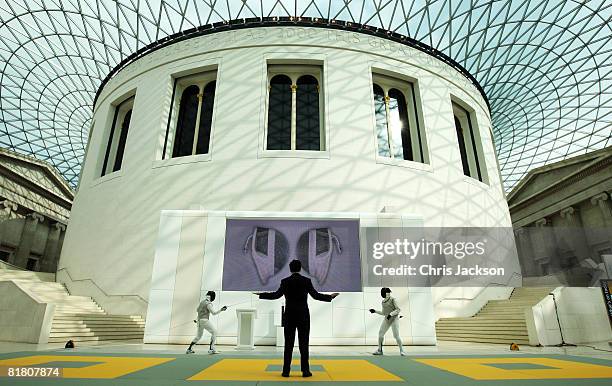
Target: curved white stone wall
<point>111,238</point>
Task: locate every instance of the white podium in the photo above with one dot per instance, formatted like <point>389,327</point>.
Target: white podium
<point>246,328</point>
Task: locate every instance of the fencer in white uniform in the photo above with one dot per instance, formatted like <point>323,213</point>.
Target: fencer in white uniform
<point>205,309</point>
<point>390,311</point>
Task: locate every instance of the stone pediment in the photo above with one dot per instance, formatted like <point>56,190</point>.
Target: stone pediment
<point>36,172</point>
<point>542,178</point>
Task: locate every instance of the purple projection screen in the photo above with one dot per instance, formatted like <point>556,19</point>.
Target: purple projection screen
<point>258,252</point>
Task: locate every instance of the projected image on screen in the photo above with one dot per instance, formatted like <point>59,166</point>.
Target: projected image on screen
<point>258,252</point>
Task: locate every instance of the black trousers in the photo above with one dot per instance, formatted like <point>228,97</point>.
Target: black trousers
<point>301,323</point>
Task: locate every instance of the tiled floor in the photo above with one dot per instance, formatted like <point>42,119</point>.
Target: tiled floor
<point>449,363</point>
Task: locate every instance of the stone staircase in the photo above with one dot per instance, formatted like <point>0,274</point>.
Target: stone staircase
<point>78,318</point>
<point>499,321</point>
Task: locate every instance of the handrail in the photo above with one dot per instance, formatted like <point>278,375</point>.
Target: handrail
<point>482,289</point>
<point>98,287</point>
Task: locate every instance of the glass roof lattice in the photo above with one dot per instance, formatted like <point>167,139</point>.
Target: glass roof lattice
<point>545,66</point>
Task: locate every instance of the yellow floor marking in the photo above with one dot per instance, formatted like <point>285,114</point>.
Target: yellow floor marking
<point>110,367</point>
<point>255,370</point>
<point>476,368</point>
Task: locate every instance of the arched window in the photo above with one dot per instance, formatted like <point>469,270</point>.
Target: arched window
<point>193,109</point>
<point>279,113</point>
<point>294,108</point>
<point>186,122</point>
<point>308,130</point>
<point>398,132</point>
<point>470,146</point>
<point>125,125</point>
<point>117,138</point>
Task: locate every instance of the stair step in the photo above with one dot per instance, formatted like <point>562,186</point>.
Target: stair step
<point>81,298</point>
<point>507,308</point>
<point>53,298</point>
<point>482,331</point>
<point>60,339</point>
<point>501,313</point>
<point>516,301</point>
<point>96,327</point>
<point>526,301</point>
<point>95,324</point>
<point>487,318</point>
<point>93,317</point>
<point>520,312</point>
<point>501,335</point>
<point>39,283</point>
<point>67,301</point>
<point>50,292</point>
<point>496,319</point>
<point>97,330</point>
<point>481,325</point>
<point>503,310</point>
<point>97,333</point>
<point>477,323</point>
<point>77,305</point>
<point>485,340</point>
<point>97,339</point>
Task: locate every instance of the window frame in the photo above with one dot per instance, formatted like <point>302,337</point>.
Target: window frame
<point>473,142</point>
<point>295,71</point>
<point>418,138</point>
<point>112,136</point>
<point>179,84</point>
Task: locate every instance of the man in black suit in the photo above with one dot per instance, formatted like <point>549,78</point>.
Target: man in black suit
<point>296,288</point>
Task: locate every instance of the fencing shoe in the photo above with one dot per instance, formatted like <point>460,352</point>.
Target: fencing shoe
<point>377,352</point>
<point>213,351</point>
<point>269,251</point>
<point>315,249</point>
<point>189,351</point>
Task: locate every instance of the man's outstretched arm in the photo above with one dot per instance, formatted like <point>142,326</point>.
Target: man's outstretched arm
<point>319,296</point>
<point>271,295</point>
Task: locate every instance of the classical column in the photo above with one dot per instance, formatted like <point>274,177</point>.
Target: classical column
<point>573,233</point>
<point>27,238</point>
<point>525,251</point>
<point>294,116</point>
<point>542,241</point>
<point>603,201</point>
<point>51,256</point>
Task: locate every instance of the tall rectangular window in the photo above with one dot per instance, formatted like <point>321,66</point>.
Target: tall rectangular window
<point>294,108</point>
<point>191,114</point>
<point>470,146</point>
<point>399,134</point>
<point>117,137</point>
